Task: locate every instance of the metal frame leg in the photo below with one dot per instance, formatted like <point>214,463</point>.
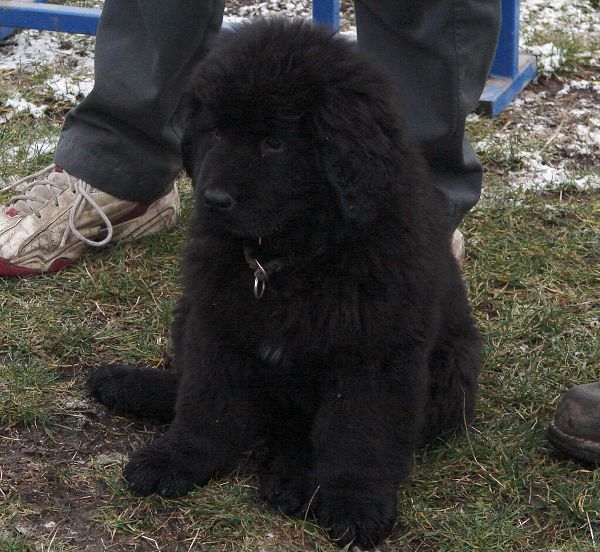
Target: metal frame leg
<point>511,71</point>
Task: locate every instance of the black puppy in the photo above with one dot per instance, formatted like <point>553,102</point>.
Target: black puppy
<point>322,312</point>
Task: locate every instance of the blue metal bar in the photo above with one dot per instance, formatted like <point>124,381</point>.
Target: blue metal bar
<point>499,91</point>
<point>506,61</point>
<point>327,12</point>
<point>5,32</point>
<point>49,17</point>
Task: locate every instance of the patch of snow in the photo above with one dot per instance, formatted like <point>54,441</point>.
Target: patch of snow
<point>575,19</point>
<point>69,89</point>
<point>30,49</point>
<point>32,151</point>
<point>49,525</point>
<point>549,57</point>
<point>296,8</point>
<point>488,142</point>
<point>578,112</point>
<point>588,140</point>
<point>18,104</point>
<point>580,84</point>
<point>539,176</point>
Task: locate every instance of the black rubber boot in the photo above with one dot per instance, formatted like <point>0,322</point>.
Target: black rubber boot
<point>575,428</point>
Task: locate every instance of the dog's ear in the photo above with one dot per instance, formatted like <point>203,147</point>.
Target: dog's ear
<point>361,151</point>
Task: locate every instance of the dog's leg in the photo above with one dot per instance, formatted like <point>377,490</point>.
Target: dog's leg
<point>142,392</point>
<point>216,419</point>
<point>284,474</point>
<point>454,369</point>
<point>363,443</point>
<point>135,391</point>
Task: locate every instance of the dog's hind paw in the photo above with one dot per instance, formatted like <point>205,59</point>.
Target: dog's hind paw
<point>154,470</point>
<point>135,391</point>
<point>106,385</point>
<point>359,518</point>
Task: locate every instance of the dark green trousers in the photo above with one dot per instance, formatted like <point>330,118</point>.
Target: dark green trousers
<point>439,53</point>
<point>124,138</point>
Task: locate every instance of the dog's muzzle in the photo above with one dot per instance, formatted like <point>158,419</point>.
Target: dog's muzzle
<point>218,199</point>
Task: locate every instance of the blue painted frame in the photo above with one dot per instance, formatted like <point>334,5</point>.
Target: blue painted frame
<point>47,17</point>
<point>510,73</point>
<point>506,60</point>
<point>327,11</point>
<point>16,14</point>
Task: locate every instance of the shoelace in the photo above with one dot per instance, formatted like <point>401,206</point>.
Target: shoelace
<point>78,186</point>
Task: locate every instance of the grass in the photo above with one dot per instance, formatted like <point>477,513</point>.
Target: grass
<point>534,284</point>
<point>533,272</point>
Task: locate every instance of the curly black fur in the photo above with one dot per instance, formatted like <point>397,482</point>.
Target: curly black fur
<point>362,347</point>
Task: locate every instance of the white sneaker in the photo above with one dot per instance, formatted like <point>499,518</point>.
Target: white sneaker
<point>58,216</point>
<point>458,247</point>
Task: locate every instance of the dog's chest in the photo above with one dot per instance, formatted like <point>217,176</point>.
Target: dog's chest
<point>289,379</point>
<point>271,353</point>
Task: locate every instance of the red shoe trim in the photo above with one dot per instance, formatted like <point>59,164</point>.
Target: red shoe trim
<point>136,212</point>
<point>59,264</point>
<point>9,269</point>
<point>12,212</point>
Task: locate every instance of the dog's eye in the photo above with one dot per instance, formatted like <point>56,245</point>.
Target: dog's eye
<point>271,145</point>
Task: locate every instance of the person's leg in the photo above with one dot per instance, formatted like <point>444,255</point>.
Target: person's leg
<point>439,53</point>
<point>119,150</point>
<point>121,139</point>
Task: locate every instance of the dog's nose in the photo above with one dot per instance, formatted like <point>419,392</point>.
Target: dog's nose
<point>218,198</point>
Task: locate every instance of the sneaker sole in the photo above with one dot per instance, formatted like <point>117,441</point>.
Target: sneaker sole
<point>8,269</point>
<point>577,447</point>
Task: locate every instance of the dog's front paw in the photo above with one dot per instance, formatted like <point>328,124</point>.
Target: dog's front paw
<point>352,515</point>
<point>286,492</point>
<point>154,469</point>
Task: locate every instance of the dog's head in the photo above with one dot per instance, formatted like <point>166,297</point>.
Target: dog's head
<point>287,120</point>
